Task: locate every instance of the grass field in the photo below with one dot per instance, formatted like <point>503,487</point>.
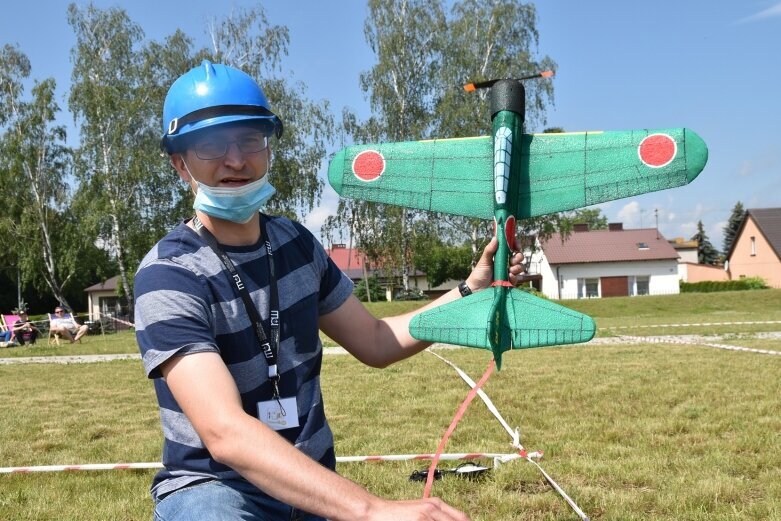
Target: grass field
<point>630,431</point>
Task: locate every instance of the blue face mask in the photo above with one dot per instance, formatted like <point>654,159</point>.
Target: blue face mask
<point>232,204</point>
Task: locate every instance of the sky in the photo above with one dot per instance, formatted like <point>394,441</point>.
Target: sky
<point>708,65</point>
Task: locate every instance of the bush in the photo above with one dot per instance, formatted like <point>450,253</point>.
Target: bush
<point>710,286</point>
<point>413,294</point>
<point>376,291</point>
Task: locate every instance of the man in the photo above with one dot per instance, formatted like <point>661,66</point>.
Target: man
<point>24,327</point>
<point>67,327</point>
<point>228,307</point>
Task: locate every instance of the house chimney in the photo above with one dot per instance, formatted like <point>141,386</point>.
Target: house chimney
<point>580,227</point>
<point>615,227</point>
<point>338,246</point>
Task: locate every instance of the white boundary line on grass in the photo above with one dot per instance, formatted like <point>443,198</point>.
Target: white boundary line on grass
<point>692,325</point>
<point>663,340</point>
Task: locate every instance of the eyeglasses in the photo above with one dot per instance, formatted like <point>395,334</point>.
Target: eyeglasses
<point>251,143</point>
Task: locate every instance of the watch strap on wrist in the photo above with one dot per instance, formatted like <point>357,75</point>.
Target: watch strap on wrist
<point>464,289</point>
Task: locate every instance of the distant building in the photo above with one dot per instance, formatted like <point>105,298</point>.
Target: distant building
<point>355,265</point>
<point>607,263</point>
<point>103,300</point>
<point>689,267</point>
<point>756,250</point>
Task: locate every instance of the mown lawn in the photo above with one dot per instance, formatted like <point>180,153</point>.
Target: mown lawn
<point>643,431</point>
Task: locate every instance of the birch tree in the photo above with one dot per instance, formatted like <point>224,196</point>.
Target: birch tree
<point>34,167</point>
<point>116,100</point>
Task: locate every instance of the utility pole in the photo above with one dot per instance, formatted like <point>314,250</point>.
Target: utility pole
<point>656,214</point>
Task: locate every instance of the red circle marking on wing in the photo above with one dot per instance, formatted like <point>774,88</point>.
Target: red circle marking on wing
<point>657,150</point>
<point>368,165</point>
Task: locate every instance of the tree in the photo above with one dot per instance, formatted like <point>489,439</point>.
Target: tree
<point>127,195</point>
<point>731,229</point>
<point>403,34</point>
<point>35,162</point>
<point>441,262</point>
<point>706,253</point>
<point>488,39</point>
<point>591,216</point>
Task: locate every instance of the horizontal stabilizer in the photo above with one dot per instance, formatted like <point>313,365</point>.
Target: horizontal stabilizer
<point>501,318</point>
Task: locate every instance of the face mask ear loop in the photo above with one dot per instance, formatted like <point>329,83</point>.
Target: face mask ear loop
<point>195,193</point>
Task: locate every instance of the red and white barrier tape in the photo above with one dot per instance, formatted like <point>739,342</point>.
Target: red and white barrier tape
<point>515,438</point>
<point>117,319</point>
<point>663,340</point>
<point>497,457</point>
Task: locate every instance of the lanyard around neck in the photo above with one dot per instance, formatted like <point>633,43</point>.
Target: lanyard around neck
<point>269,347</point>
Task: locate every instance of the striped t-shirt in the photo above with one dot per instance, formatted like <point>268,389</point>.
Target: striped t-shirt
<point>186,303</point>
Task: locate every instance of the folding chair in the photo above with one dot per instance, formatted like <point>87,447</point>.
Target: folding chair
<point>52,334</point>
<point>9,321</point>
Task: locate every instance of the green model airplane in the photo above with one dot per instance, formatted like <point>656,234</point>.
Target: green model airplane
<point>513,175</point>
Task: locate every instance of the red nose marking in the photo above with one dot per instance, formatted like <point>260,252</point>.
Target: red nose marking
<point>657,150</point>
<point>368,165</point>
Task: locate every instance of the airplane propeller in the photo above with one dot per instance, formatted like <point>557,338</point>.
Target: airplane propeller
<point>470,87</point>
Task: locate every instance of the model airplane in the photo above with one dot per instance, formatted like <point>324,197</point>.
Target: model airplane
<point>513,175</point>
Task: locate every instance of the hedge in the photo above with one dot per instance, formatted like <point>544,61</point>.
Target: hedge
<point>710,286</point>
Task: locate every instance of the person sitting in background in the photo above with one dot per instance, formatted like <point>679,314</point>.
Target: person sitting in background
<point>25,327</point>
<point>67,327</point>
<point>5,338</point>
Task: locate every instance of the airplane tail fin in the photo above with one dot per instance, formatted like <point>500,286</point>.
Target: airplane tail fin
<point>501,318</point>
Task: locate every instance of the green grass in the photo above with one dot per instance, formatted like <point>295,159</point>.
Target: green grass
<point>645,431</point>
<point>123,342</point>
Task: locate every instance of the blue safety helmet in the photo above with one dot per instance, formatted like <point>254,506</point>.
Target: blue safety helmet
<point>213,94</point>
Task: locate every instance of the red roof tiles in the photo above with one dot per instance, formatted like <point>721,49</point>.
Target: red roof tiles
<point>608,246</point>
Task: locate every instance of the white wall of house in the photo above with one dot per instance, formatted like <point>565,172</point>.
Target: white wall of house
<point>661,276</point>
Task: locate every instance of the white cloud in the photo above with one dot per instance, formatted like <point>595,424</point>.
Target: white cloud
<point>316,218</point>
<point>630,215</point>
<point>770,12</point>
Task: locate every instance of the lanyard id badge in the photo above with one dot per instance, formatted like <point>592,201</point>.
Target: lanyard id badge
<point>279,414</point>
<point>268,346</point>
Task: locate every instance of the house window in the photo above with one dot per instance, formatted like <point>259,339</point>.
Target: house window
<point>640,286</point>
<point>589,288</point>
<point>642,246</point>
<point>753,246</point>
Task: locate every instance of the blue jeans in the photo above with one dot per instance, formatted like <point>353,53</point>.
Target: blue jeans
<point>229,500</point>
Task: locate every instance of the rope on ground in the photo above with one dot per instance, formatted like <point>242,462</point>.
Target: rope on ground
<point>459,413</point>
<point>514,434</point>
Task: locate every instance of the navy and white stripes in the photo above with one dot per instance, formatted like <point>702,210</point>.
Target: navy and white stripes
<point>186,304</point>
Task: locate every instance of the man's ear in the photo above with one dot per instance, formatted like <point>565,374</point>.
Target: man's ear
<point>178,163</point>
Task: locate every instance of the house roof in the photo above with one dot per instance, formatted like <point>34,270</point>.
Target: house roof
<point>679,243</point>
<point>346,259</point>
<point>106,285</point>
<point>350,262</point>
<point>608,246</point>
<point>768,220</point>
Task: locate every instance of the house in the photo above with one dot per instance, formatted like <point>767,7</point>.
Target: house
<point>102,298</point>
<point>355,265</point>
<point>608,263</point>
<point>756,250</point>
<point>689,267</point>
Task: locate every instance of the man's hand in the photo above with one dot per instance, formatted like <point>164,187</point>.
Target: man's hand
<point>483,273</point>
<point>431,509</point>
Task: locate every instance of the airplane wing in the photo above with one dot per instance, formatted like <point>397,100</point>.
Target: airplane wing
<point>573,170</point>
<point>564,171</point>
<point>452,176</point>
